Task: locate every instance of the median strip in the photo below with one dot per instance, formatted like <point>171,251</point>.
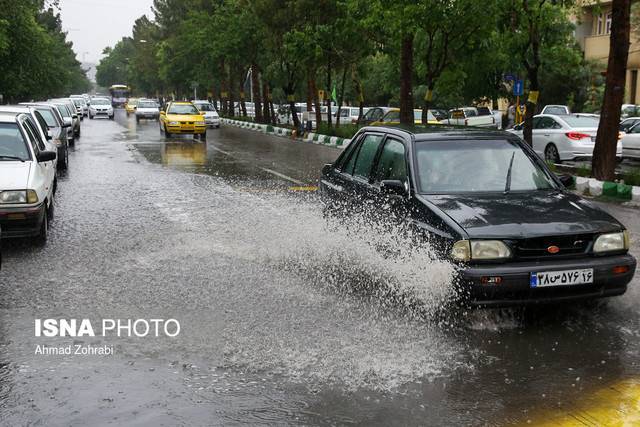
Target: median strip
<point>310,137</point>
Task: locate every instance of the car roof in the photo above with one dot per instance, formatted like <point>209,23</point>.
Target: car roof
<point>16,108</point>
<point>182,102</point>
<point>440,132</point>
<point>8,117</point>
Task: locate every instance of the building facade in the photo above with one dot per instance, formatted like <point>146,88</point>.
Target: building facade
<point>593,29</point>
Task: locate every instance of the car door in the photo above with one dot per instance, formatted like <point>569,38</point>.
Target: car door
<point>554,132</point>
<point>631,143</point>
<point>43,178</point>
<point>391,165</point>
<point>362,189</point>
<point>542,133</point>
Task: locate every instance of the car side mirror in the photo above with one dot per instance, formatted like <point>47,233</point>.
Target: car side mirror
<point>326,169</point>
<point>67,122</point>
<point>49,135</point>
<point>46,156</point>
<point>393,187</point>
<point>566,180</point>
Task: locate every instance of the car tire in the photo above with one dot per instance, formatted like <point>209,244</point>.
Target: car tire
<point>51,210</point>
<point>137,119</point>
<point>203,136</point>
<point>41,239</point>
<point>112,117</point>
<point>551,154</point>
<point>167,133</point>
<point>63,162</point>
<point>90,117</point>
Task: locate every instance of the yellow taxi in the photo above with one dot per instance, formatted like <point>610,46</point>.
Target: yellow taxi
<point>181,118</point>
<point>392,117</point>
<point>130,106</point>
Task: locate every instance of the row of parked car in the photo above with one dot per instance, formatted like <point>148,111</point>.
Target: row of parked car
<point>34,145</point>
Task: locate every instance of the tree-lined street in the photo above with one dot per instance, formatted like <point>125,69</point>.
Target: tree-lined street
<point>275,326</point>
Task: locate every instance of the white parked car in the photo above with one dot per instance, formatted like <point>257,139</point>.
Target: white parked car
<point>211,117</point>
<point>628,123</point>
<point>631,143</point>
<point>468,116</point>
<point>567,137</point>
<point>81,105</point>
<point>27,178</point>
<point>147,109</point>
<point>100,107</point>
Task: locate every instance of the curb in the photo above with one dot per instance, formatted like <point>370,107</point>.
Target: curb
<point>607,188</point>
<point>313,138</point>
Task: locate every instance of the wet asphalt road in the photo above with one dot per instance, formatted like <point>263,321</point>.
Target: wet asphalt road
<point>273,327</point>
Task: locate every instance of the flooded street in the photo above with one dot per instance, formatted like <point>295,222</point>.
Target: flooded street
<point>284,318</point>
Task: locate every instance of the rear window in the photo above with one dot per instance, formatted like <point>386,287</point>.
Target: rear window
<point>147,104</point>
<point>47,115</point>
<point>205,107</point>
<point>555,110</point>
<point>582,121</point>
<point>12,144</point>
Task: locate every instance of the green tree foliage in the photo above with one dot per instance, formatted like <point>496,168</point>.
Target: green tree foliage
<point>372,52</point>
<point>35,58</point>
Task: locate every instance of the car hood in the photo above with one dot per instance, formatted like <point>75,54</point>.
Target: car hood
<point>523,215</point>
<point>184,117</point>
<point>14,175</point>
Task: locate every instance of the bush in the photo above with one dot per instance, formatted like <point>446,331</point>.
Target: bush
<point>632,177</point>
<point>344,131</point>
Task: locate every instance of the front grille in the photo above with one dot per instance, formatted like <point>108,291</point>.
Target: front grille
<point>537,247</point>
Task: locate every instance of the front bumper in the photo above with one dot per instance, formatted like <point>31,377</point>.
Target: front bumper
<point>21,222</point>
<point>212,121</point>
<point>187,129</point>
<point>515,288</point>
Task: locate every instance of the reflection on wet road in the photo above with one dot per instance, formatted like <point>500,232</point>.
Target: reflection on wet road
<point>275,327</point>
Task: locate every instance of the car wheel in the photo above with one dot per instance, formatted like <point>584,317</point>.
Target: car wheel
<point>551,154</point>
<point>111,117</point>
<point>203,136</point>
<point>90,117</point>
<point>63,162</point>
<point>166,132</point>
<point>44,229</point>
<point>137,119</point>
<point>51,209</point>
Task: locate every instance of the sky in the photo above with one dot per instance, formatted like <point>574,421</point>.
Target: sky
<point>93,25</point>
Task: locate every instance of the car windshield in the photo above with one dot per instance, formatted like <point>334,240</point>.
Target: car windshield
<point>477,166</point>
<point>182,109</point>
<point>48,117</point>
<point>79,102</point>
<point>12,144</point>
<point>100,102</point>
<point>582,121</point>
<point>147,104</point>
<point>205,107</point>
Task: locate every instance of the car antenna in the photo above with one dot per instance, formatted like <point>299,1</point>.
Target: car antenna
<point>507,186</point>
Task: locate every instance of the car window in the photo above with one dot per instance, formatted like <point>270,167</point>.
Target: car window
<point>392,163</point>
<point>12,143</point>
<point>391,116</point>
<point>555,110</point>
<point>31,135</point>
<point>548,123</point>
<point>48,117</point>
<point>366,155</point>
<point>582,121</point>
<point>347,155</point>
<point>536,122</point>
<point>42,122</point>
<point>635,129</point>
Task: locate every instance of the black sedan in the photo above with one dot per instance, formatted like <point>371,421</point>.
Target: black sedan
<point>488,203</point>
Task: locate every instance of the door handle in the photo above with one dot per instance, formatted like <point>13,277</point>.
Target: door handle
<point>547,134</point>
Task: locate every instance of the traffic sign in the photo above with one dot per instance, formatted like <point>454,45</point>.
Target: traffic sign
<point>518,88</point>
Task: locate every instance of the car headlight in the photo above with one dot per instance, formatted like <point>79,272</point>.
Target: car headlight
<point>201,123</point>
<point>18,196</point>
<point>612,242</point>
<point>465,250</point>
<point>174,123</point>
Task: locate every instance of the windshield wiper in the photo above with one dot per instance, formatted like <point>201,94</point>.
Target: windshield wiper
<point>507,186</point>
<point>12,158</point>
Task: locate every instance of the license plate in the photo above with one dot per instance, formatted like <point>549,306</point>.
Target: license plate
<point>561,278</point>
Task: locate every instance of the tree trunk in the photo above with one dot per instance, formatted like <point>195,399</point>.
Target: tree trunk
<point>243,105</point>
<point>328,93</point>
<point>427,102</point>
<point>257,98</point>
<point>604,152</point>
<point>406,80</point>
<point>316,102</point>
<point>224,90</point>
<point>534,86</point>
<point>266,114</point>
<point>358,85</point>
<point>341,98</point>
<point>231,107</point>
